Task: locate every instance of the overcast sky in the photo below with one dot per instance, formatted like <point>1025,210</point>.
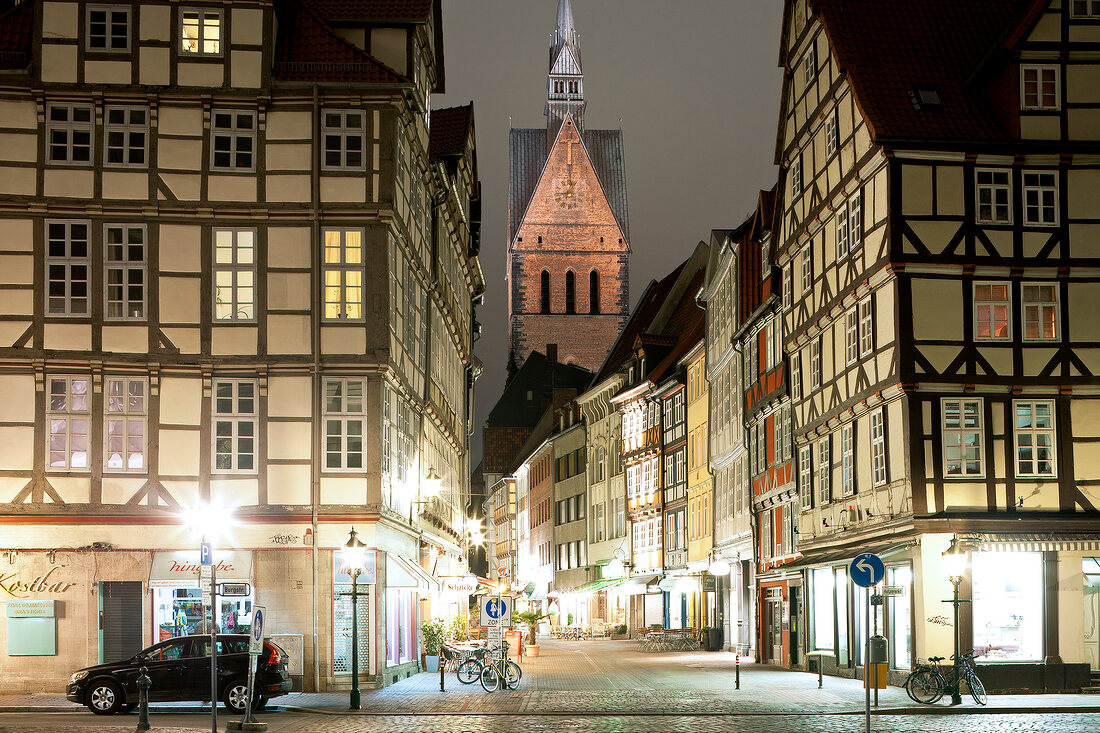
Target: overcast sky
<point>695,86</point>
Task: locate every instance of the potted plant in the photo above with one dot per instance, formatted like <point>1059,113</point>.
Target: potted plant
<point>433,632</point>
<point>619,632</point>
<point>531,619</point>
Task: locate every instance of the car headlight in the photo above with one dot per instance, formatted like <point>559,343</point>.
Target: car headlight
<point>77,676</point>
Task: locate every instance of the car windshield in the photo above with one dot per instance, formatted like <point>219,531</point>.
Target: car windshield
<point>201,647</point>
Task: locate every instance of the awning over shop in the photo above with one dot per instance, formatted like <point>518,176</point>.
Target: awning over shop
<point>403,573</point>
<point>639,584</point>
<point>1041,542</point>
<point>884,550</point>
<point>180,568</point>
<point>598,585</point>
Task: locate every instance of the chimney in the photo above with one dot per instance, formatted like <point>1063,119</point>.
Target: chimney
<point>552,353</point>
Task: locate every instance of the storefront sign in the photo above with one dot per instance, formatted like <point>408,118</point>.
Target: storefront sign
<point>368,575</point>
<point>464,584</point>
<point>30,609</point>
<point>710,584</point>
<point>19,586</point>
<point>180,569</point>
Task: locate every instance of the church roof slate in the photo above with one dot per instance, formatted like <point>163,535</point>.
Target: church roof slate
<point>527,156</point>
<point>16,35</point>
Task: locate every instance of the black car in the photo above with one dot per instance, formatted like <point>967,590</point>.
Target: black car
<point>180,670</point>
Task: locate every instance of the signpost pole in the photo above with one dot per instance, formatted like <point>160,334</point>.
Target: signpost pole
<point>213,649</point>
<point>866,571</point>
<point>867,659</point>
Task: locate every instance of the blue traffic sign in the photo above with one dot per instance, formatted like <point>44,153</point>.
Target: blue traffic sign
<point>256,643</point>
<point>867,570</point>
<point>206,554</point>
<point>496,608</point>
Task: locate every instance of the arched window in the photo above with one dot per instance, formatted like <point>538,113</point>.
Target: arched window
<point>594,292</point>
<point>545,291</point>
<point>570,292</point>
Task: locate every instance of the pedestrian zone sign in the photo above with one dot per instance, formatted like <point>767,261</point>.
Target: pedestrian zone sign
<point>496,612</point>
<point>256,643</point>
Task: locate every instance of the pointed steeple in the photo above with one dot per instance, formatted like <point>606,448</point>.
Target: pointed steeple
<point>565,82</point>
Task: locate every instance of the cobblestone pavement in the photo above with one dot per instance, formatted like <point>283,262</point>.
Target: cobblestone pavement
<point>844,723</point>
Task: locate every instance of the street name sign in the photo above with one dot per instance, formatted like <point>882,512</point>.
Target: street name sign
<point>893,590</point>
<point>867,570</point>
<point>233,589</point>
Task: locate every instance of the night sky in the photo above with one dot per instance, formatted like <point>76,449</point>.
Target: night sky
<point>695,86</point>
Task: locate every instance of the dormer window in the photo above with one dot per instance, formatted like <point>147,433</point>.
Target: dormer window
<point>926,99</point>
<point>1039,87</point>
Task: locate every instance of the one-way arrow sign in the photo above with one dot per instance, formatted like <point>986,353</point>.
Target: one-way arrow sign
<point>867,570</point>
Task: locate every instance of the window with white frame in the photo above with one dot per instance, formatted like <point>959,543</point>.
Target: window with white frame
<point>1085,9</point>
<point>851,337</point>
<point>788,286</point>
<point>788,528</point>
<point>1040,304</point>
<point>777,435</point>
<point>831,136</point>
<point>963,438</point>
<point>855,221</point>
<point>201,32</point>
<point>809,65</point>
<point>796,374</point>
<point>69,133</point>
<point>824,471</point>
<point>848,459</point>
<point>767,538</point>
<point>67,268</point>
<point>234,274</point>
<point>796,176</point>
<point>815,363</point>
<point>68,414</point>
<point>1039,87</point>
<point>878,448</point>
<point>994,191</point>
<point>108,28</point>
<point>343,274</point>
<point>345,415</point>
<point>1034,431</point>
<point>807,270</point>
<point>124,270</point>
<point>761,447</point>
<point>765,259</point>
<point>234,140</point>
<point>866,328</point>
<point>1041,198</point>
<point>842,231</point>
<point>126,421</point>
<point>344,135</point>
<point>991,309</point>
<point>805,476</point>
<point>126,136</point>
<point>234,425</point>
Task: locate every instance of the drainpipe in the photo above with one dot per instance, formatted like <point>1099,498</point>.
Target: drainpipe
<point>315,482</point>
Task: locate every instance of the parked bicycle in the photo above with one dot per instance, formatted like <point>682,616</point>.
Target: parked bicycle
<point>928,682</point>
<point>474,668</point>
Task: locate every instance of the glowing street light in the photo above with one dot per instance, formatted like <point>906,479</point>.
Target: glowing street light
<point>354,553</point>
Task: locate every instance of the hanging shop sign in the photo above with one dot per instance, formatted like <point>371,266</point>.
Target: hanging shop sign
<point>16,585</point>
<point>462,584</point>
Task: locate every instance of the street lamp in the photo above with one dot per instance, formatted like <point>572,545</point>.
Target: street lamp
<point>354,553</point>
<point>954,564</point>
<point>430,487</point>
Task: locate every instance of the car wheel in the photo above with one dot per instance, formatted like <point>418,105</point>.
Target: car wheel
<point>104,697</point>
<point>235,696</point>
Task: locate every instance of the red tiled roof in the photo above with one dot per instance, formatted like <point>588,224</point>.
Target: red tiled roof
<point>750,286</point>
<point>449,130</point>
<point>308,49</point>
<point>371,9</point>
<point>16,35</point>
<point>890,47</point>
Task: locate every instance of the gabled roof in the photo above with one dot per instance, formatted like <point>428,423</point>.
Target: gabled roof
<point>889,49</point>
<point>373,9</point>
<point>450,130</point>
<point>685,327</point>
<point>541,376</point>
<point>16,36</point>
<point>750,283</point>
<point>308,49</point>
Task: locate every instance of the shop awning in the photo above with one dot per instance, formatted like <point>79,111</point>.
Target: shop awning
<point>180,568</point>
<point>833,557</point>
<point>598,585</point>
<point>1041,542</point>
<point>403,573</point>
<point>639,584</point>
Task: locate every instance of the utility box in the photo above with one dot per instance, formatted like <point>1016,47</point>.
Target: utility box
<point>294,646</point>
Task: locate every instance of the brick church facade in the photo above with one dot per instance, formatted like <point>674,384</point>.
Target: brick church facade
<point>568,251</point>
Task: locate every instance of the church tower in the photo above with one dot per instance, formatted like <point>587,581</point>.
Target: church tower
<point>568,244</point>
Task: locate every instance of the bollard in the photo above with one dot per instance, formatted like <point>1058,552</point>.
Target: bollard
<point>737,670</point>
<point>820,671</point>
<point>442,665</point>
<point>143,684</point>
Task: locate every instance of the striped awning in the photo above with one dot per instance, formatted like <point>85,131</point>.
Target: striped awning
<point>1041,542</point>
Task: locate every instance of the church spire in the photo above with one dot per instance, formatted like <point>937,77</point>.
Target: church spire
<point>565,82</point>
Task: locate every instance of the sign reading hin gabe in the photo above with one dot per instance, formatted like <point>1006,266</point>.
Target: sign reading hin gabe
<point>180,569</point>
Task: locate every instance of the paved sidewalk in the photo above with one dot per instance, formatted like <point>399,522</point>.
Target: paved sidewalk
<point>614,677</point>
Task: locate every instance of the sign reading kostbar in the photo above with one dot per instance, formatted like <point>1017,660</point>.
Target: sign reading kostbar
<point>496,612</point>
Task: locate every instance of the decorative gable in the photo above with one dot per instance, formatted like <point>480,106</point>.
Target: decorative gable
<point>566,63</point>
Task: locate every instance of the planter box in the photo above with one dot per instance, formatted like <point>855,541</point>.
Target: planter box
<point>431,664</point>
<point>617,637</point>
<point>531,650</point>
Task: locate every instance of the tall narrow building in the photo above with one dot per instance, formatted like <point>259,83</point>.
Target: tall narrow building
<point>568,245</point>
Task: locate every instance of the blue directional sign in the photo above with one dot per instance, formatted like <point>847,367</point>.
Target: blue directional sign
<point>867,570</point>
<point>206,554</point>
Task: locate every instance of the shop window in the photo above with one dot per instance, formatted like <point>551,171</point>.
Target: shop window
<point>126,411</point>
<point>341,621</point>
<point>67,268</point>
<point>345,414</point>
<point>1008,595</point>
<point>901,618</point>
<point>234,274</point>
<point>124,271</point>
<point>841,579</point>
<point>823,608</point>
<point>401,626</point>
<point>343,274</point>
<point>235,425</point>
<point>68,411</point>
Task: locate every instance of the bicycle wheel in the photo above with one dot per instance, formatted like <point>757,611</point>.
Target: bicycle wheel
<point>924,686</point>
<point>468,671</point>
<point>977,689</point>
<point>490,680</point>
<point>513,674</point>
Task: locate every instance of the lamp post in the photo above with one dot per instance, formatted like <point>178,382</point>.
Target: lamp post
<point>954,563</point>
<point>354,552</point>
<point>429,488</point>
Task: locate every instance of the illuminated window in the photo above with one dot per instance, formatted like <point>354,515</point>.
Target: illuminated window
<point>125,408</point>
<point>1034,438</point>
<point>68,412</point>
<point>963,440</point>
<point>201,32</point>
<point>343,273</point>
<point>1040,301</point>
<point>1008,591</point>
<point>991,308</point>
<point>234,274</point>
